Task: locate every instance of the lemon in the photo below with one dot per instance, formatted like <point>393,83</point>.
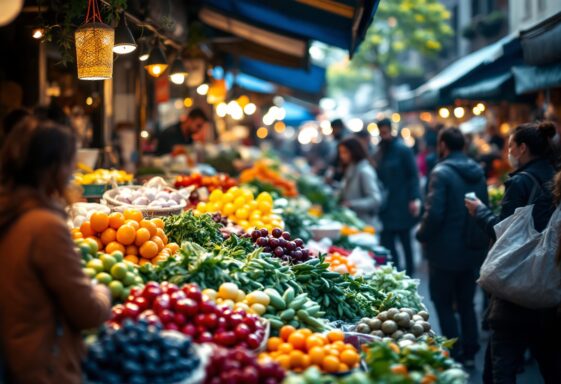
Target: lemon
<point>228,209</point>
<point>242,214</point>
<point>96,265</point>
<point>216,195</point>
<point>201,207</point>
<point>239,202</point>
<point>103,278</point>
<point>108,262</point>
<point>89,272</point>
<point>118,255</point>
<point>265,197</point>
<point>119,271</point>
<point>116,288</point>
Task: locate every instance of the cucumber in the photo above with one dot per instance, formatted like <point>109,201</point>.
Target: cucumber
<point>276,324</point>
<point>288,295</point>
<point>313,310</point>
<point>276,299</point>
<point>299,301</point>
<point>295,323</point>
<point>288,314</point>
<point>309,320</point>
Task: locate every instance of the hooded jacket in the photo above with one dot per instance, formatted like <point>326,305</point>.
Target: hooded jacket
<point>445,219</point>
<point>46,299</point>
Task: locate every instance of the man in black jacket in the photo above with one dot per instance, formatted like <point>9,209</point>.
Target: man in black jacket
<point>183,132</point>
<point>455,245</point>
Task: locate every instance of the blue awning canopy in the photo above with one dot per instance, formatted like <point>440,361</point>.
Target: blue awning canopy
<point>490,88</point>
<point>531,79</point>
<point>296,114</point>
<point>341,23</point>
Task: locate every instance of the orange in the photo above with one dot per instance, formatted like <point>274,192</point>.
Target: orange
<point>158,242</point>
<point>330,364</point>
<point>284,361</point>
<point>149,226</point>
<point>158,259</point>
<point>306,361</point>
<point>316,355</point>
<point>131,250</point>
<point>149,249</point>
<point>335,335</point>
<point>158,222</point>
<point>399,369</point>
<point>144,261</point>
<point>343,367</point>
<point>132,223</point>
<point>126,235</point>
<point>114,246</point>
<point>116,219</point>
<point>99,243</point>
<point>164,252</point>
<point>296,359</point>
<point>305,331</point>
<point>332,351</point>
<point>160,233</point>
<point>314,341</point>
<point>351,358</point>
<point>77,235</point>
<point>142,236</point>
<point>339,345</point>
<point>297,340</point>
<point>285,348</point>
<point>99,221</point>
<point>133,214</point>
<point>108,236</point>
<point>173,247</point>
<point>132,259</point>
<point>273,344</point>
<point>286,331</point>
<point>86,229</point>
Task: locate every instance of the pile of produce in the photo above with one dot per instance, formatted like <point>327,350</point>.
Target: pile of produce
<point>298,222</point>
<point>341,264</point>
<point>294,310</point>
<point>239,366</point>
<point>240,206</point>
<point>188,227</point>
<point>263,173</point>
<point>142,241</point>
<point>102,176</point>
<point>299,349</point>
<point>138,353</point>
<point>397,324</point>
<point>149,197</point>
<point>111,270</point>
<point>230,295</point>
<point>496,196</point>
<point>220,181</point>
<point>184,310</point>
<point>281,245</point>
<point>405,290</point>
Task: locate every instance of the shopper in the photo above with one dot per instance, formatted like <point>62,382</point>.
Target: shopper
<point>444,232</point>
<point>183,132</point>
<point>360,188</point>
<point>46,298</point>
<point>514,328</point>
<point>399,175</point>
<point>335,172</point>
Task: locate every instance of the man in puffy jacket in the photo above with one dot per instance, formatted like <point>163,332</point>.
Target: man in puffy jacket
<point>455,245</point>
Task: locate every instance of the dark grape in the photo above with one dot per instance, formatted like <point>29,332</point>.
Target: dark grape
<point>298,254</point>
<point>279,251</point>
<point>255,235</point>
<point>262,242</point>
<point>277,233</point>
<point>291,245</point>
<point>283,243</point>
<point>273,242</point>
<point>299,242</point>
<point>286,235</point>
<point>264,232</point>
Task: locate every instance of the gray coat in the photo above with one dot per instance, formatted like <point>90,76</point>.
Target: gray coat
<point>361,191</point>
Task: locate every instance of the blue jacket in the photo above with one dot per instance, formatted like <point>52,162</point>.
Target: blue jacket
<point>446,219</point>
<point>397,170</point>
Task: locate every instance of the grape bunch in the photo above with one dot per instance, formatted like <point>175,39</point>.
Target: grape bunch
<point>280,245</point>
<point>218,218</point>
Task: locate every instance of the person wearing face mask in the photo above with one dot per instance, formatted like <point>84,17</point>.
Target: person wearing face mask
<point>515,328</point>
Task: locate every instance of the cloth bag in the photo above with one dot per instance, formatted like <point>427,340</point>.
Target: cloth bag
<point>521,266</point>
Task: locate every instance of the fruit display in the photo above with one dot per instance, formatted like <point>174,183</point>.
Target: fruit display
<point>139,353</point>
<point>111,270</point>
<point>279,243</point>
<point>103,176</point>
<point>397,324</point>
<point>230,295</point>
<point>239,366</point>
<point>292,309</point>
<point>80,212</point>
<point>263,173</point>
<point>299,349</point>
<point>240,206</point>
<point>219,181</point>
<point>341,264</point>
<point>184,310</point>
<point>147,197</point>
<point>141,240</point>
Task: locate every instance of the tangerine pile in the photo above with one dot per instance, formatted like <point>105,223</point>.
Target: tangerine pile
<point>340,263</point>
<point>141,240</point>
<point>298,350</point>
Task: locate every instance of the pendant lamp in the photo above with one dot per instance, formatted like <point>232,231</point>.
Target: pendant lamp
<point>157,62</point>
<point>124,41</point>
<point>178,73</point>
<point>94,46</point>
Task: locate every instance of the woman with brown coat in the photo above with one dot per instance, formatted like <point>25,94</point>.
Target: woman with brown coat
<point>45,299</point>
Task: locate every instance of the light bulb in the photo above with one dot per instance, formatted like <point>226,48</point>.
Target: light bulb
<point>177,78</point>
<point>38,33</point>
<point>202,89</point>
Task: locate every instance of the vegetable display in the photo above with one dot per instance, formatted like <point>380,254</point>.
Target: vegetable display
<point>149,197</point>
<point>103,176</point>
<point>279,243</point>
<point>404,289</point>
<point>220,181</point>
<point>263,173</point>
<point>397,324</point>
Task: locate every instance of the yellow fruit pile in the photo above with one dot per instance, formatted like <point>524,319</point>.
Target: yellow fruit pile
<point>103,176</point>
<point>240,206</point>
<point>231,296</point>
<point>141,240</point>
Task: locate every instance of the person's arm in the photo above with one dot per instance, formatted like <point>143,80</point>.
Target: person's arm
<point>435,207</point>
<point>370,188</point>
<point>83,304</point>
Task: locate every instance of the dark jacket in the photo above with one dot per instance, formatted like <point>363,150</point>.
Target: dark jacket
<point>444,223</point>
<point>46,299</point>
<point>397,169</point>
<point>170,137</point>
<point>518,189</point>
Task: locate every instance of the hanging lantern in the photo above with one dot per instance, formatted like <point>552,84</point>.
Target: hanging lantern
<point>94,46</point>
<point>217,91</point>
<point>157,62</point>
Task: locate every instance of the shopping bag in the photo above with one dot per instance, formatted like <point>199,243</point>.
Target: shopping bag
<point>521,266</point>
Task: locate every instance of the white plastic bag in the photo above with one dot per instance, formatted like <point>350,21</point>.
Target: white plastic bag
<point>521,267</point>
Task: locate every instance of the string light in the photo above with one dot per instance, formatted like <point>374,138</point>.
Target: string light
<point>444,113</point>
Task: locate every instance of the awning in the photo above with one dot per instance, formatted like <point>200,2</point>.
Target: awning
<point>341,23</point>
<point>491,88</point>
<point>296,114</point>
<point>541,44</point>
<point>437,91</point>
<point>531,79</point>
<point>311,81</point>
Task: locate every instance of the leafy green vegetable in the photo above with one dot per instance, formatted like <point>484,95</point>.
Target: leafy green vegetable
<point>404,289</point>
<point>187,227</point>
<point>297,223</point>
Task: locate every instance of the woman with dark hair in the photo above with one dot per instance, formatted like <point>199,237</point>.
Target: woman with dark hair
<point>360,188</point>
<point>46,299</point>
<point>515,328</point>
